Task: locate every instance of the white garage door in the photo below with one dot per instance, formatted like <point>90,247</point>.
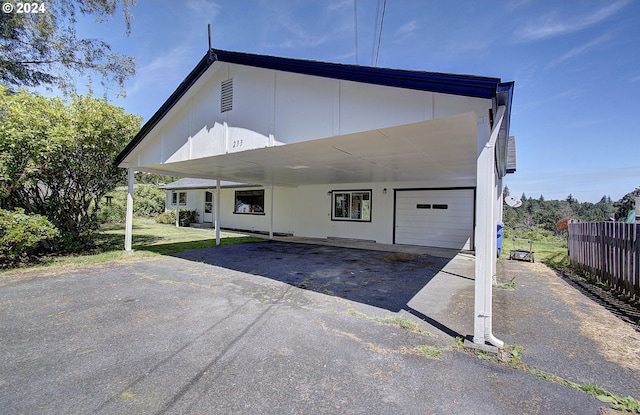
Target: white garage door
<point>439,218</point>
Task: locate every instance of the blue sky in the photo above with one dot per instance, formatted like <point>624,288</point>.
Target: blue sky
<point>576,66</point>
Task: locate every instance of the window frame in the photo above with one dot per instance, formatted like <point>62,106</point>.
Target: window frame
<point>175,198</point>
<point>351,193</point>
<point>260,193</point>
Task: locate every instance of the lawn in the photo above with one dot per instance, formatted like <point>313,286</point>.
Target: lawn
<point>149,238</point>
<point>552,252</point>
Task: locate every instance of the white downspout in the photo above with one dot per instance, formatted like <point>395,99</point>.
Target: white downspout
<point>486,238</point>
<point>128,229</point>
<point>217,214</point>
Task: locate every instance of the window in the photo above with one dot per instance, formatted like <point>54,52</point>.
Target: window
<point>250,201</point>
<point>351,205</point>
<point>179,198</point>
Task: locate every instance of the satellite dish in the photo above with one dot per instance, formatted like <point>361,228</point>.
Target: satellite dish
<point>512,201</point>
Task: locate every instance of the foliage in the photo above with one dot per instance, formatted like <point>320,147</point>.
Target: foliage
<point>541,215</point>
<point>20,234</point>
<point>148,202</point>
<point>626,204</point>
<point>57,160</point>
<point>187,217</point>
<point>43,48</point>
<point>167,217</point>
<point>151,178</point>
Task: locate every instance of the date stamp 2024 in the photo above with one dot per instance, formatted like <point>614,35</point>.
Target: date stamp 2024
<point>24,8</point>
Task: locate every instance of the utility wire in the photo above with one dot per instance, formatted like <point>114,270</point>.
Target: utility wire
<point>375,32</point>
<point>384,8</point>
<point>355,25</point>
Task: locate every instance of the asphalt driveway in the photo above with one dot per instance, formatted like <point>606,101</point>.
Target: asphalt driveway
<point>171,335</point>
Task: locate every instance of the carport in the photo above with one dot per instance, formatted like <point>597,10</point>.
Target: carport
<point>317,130</point>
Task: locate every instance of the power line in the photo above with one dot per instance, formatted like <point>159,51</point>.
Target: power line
<point>375,32</point>
<point>384,8</point>
<point>355,25</point>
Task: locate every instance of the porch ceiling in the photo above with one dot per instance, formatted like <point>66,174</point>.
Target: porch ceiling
<point>444,148</point>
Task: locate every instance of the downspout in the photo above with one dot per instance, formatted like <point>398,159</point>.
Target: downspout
<point>486,237</point>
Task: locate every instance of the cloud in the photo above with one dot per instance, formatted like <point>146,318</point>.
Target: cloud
<point>580,50</point>
<point>551,26</point>
<point>165,69</point>
<point>407,28</point>
<point>204,8</point>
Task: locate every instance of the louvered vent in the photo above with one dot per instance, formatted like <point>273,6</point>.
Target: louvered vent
<point>226,95</point>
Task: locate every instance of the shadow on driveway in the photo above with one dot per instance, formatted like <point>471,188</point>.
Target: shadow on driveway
<point>385,280</point>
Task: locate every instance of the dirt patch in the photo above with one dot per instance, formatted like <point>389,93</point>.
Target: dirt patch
<point>617,341</point>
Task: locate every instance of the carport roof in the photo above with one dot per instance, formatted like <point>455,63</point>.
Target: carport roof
<point>466,85</point>
<point>191,183</point>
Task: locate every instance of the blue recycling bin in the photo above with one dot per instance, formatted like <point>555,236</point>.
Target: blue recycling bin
<point>500,237</point>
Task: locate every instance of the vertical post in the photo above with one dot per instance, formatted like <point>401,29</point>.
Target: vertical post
<point>217,213</point>
<point>128,230</point>
<point>486,238</point>
<point>177,210</point>
<point>271,215</point>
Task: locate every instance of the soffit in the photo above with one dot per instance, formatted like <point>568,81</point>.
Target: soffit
<point>440,149</point>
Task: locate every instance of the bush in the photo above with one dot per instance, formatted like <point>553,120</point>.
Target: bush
<point>148,201</point>
<point>168,217</point>
<point>21,234</point>
<point>187,217</point>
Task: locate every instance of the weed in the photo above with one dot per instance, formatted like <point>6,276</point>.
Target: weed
<point>482,355</point>
<point>430,352</point>
<point>393,321</point>
<point>395,257</point>
<point>511,285</point>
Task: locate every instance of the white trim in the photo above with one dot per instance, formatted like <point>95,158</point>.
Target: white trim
<point>128,230</point>
<point>486,238</point>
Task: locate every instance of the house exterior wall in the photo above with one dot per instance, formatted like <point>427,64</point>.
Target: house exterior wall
<point>306,210</point>
<point>271,108</point>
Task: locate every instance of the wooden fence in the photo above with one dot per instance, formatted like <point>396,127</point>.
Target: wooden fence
<point>610,251</point>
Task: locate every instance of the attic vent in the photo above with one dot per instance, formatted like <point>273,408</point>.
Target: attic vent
<point>226,95</point>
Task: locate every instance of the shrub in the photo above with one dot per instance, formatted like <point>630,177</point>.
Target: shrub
<point>20,234</point>
<point>167,217</point>
<point>187,217</point>
<point>148,201</point>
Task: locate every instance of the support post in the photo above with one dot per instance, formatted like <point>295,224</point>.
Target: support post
<point>486,238</point>
<point>128,230</point>
<point>217,213</point>
<point>271,215</point>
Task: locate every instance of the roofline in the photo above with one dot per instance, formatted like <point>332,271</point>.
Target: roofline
<point>466,85</point>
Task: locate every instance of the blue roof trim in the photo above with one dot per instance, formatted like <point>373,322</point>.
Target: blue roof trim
<point>466,85</point>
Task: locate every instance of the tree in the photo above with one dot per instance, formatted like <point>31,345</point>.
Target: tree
<point>626,204</point>
<point>43,49</point>
<point>57,159</point>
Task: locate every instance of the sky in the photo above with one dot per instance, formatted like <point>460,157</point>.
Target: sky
<point>575,64</point>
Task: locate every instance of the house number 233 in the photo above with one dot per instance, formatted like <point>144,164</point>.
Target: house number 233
<point>236,143</point>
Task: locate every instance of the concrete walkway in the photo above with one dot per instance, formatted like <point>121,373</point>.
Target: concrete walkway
<point>170,335</point>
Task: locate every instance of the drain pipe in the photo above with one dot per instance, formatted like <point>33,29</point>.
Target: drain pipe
<point>486,238</point>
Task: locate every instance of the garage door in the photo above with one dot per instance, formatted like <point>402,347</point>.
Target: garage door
<point>439,218</point>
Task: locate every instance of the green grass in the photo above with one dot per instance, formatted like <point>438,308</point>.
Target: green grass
<point>551,252</point>
<point>149,239</point>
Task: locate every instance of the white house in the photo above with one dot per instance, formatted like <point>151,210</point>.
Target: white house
<point>331,150</point>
